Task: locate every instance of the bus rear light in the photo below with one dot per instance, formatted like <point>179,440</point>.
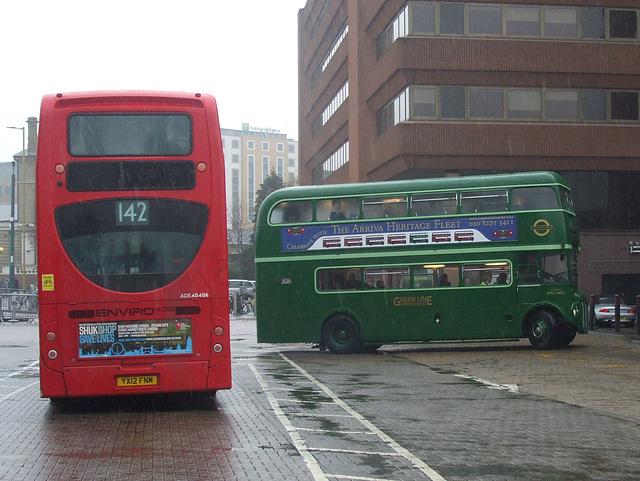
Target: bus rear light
<point>52,354</point>
<point>59,168</point>
<point>50,336</point>
<point>218,331</point>
<point>217,348</point>
<point>201,166</point>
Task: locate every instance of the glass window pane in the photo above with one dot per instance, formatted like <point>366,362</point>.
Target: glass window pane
<point>452,102</point>
<point>592,22</point>
<point>483,201</point>
<point>486,103</point>
<point>562,104</point>
<point>624,105</point>
<point>386,278</point>
<point>338,279</point>
<point>423,18</point>
<point>338,209</point>
<point>555,268</point>
<point>424,101</point>
<point>594,104</point>
<point>524,104</point>
<point>383,207</point>
<point>561,22</point>
<point>434,204</point>
<point>485,20</point>
<point>623,24</point>
<point>452,18</point>
<point>523,21</point>
<point>423,277</point>
<point>486,274</point>
<point>534,198</point>
<point>291,212</point>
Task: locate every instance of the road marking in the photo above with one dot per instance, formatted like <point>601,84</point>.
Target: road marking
<point>17,391</point>
<point>28,367</point>
<point>491,385</point>
<point>417,462</point>
<point>297,440</point>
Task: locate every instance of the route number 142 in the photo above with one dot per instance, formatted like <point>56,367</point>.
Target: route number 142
<point>132,212</point>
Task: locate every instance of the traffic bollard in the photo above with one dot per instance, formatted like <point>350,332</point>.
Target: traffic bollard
<point>617,313</point>
<point>636,313</point>
<point>592,311</point>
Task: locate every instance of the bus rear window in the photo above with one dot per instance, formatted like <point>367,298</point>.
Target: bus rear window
<point>132,245</point>
<point>129,135</point>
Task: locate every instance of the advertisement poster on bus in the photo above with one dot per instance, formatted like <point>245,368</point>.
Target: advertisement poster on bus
<point>135,338</point>
<point>398,233</point>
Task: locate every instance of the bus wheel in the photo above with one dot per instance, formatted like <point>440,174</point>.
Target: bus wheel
<point>341,335</point>
<point>568,334</point>
<point>543,330</point>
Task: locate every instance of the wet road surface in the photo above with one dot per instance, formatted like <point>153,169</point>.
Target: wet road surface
<point>473,412</point>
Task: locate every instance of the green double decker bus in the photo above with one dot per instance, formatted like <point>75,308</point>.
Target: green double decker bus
<point>351,267</point>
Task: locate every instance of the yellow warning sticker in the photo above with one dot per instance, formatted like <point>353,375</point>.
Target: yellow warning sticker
<point>47,282</point>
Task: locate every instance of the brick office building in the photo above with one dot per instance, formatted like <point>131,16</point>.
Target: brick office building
<point>395,89</point>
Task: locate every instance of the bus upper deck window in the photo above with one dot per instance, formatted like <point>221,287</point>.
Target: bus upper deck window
<point>291,212</point>
<point>434,204</point>
<point>383,207</point>
<point>484,201</point>
<point>345,208</point>
<point>533,198</point>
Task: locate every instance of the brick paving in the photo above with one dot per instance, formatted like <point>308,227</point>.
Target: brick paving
<point>296,414</point>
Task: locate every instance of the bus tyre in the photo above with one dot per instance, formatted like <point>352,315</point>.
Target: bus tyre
<point>341,335</point>
<point>543,330</point>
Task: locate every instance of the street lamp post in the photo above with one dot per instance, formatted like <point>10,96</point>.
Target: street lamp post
<point>22,215</point>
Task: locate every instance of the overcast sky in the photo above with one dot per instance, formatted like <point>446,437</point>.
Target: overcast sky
<point>244,52</point>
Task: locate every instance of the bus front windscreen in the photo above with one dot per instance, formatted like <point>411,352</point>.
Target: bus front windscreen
<point>132,244</point>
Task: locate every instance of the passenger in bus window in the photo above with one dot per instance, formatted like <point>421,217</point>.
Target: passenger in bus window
<point>336,213</point>
<point>486,278</point>
<point>444,281</point>
<point>502,278</point>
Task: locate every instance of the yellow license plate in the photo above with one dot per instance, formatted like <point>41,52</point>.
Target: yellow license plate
<point>132,381</point>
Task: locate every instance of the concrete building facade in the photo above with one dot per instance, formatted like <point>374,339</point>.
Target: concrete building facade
<point>395,89</point>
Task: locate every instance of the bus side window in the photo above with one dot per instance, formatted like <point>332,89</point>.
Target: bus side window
<point>423,277</point>
<point>483,201</point>
<point>338,279</point>
<point>383,207</point>
<point>385,278</point>
<point>434,204</point>
<point>528,268</point>
<point>534,198</point>
<point>345,208</point>
<point>292,212</point>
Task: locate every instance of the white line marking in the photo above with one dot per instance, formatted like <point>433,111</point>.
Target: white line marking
<point>491,385</point>
<point>17,391</point>
<point>297,440</point>
<point>417,462</point>
<point>28,367</point>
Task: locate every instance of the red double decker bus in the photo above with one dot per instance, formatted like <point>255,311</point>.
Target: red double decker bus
<point>132,247</point>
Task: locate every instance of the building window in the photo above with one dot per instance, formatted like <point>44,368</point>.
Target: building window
<point>485,19</point>
<point>336,160</point>
<point>560,22</point>
<point>423,18</point>
<point>623,23</point>
<point>251,186</point>
<point>594,104</point>
<point>593,23</point>
<point>423,101</point>
<point>332,51</point>
<point>524,104</point>
<point>624,105</point>
<point>452,18</point>
<point>562,105</point>
<point>292,148</point>
<point>235,158</point>
<point>394,112</point>
<point>235,144</point>
<point>486,103</point>
<point>280,166</point>
<point>251,145</point>
<point>452,102</point>
<point>265,146</point>
<point>523,21</point>
<point>265,168</point>
<point>280,147</point>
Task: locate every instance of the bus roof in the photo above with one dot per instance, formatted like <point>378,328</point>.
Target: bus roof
<point>472,182</point>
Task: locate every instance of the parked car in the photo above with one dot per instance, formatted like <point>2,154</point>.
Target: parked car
<point>606,310</point>
<point>242,286</point>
